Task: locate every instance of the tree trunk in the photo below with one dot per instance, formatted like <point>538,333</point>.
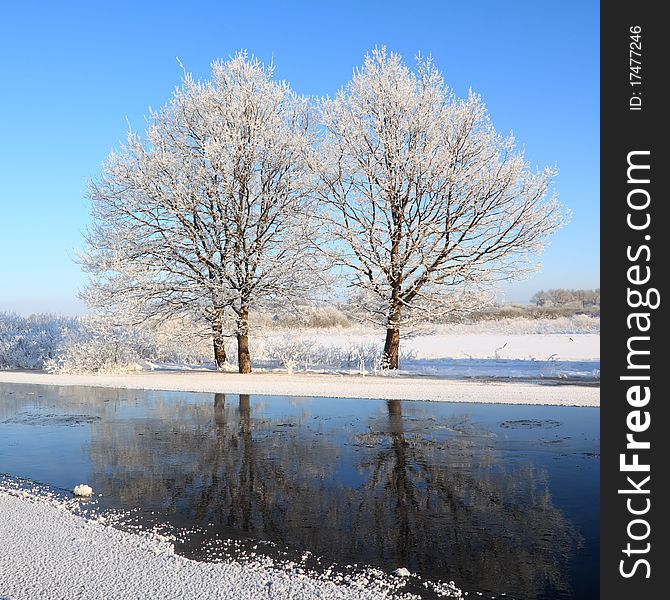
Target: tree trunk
<point>243,355</point>
<point>392,343</point>
<point>392,348</point>
<point>219,346</point>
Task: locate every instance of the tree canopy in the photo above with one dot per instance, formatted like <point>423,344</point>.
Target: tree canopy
<point>242,195</point>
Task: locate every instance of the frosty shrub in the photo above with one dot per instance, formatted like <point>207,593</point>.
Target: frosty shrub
<point>359,353</point>
<point>303,317</point>
<point>99,347</point>
<point>27,342</point>
<point>363,355</point>
<point>93,344</point>
<point>290,352</point>
<point>327,316</point>
<point>179,341</point>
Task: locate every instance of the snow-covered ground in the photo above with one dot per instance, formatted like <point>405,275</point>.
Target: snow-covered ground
<point>566,347</point>
<point>553,346</point>
<point>330,386</point>
<point>460,354</point>
<point>47,551</point>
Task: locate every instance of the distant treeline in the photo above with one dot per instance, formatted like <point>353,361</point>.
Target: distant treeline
<point>344,315</point>
<point>587,299</point>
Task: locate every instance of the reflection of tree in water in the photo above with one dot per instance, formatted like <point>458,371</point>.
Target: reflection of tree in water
<point>447,508</point>
<point>473,519</point>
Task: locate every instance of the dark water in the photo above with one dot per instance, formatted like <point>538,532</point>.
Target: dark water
<point>500,499</point>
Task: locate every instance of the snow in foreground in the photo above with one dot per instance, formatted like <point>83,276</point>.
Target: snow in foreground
<point>49,552</point>
<point>328,386</point>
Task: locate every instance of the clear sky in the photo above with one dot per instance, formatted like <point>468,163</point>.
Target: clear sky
<point>75,74</point>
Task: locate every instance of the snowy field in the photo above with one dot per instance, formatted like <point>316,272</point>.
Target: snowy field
<point>455,354</point>
<point>48,551</point>
<point>564,348</point>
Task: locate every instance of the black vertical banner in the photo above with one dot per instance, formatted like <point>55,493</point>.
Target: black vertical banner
<point>635,461</point>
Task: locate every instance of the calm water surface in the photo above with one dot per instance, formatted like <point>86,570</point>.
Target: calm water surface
<point>500,499</point>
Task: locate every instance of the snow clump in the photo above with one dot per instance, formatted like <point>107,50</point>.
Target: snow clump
<point>82,490</point>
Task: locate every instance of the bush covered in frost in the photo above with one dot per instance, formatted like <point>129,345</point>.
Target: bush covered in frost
<point>27,342</point>
<point>101,346</point>
<point>97,347</point>
<point>95,344</point>
<point>362,353</point>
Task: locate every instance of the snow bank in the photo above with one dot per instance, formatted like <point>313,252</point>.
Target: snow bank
<point>330,386</point>
<point>49,552</point>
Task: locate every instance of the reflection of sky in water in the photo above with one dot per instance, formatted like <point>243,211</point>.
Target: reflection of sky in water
<point>495,497</point>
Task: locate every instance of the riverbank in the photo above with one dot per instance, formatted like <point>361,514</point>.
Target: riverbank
<point>330,385</point>
<point>49,552</point>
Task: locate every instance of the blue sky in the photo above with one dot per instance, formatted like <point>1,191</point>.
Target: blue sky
<point>76,73</point>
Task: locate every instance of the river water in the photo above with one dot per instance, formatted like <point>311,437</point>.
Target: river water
<point>500,499</point>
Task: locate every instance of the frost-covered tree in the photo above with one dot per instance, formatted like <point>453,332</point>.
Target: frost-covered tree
<point>428,205</point>
<point>206,216</point>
